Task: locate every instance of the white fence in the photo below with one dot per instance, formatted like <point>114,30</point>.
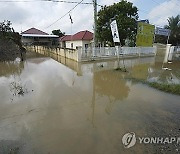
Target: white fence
<point>109,52</point>
<point>175,52</point>
<point>81,54</point>
<point>177,49</point>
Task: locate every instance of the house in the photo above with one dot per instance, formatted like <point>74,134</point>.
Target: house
<point>35,36</point>
<point>82,39</point>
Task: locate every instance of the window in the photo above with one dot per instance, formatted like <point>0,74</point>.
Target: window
<point>71,45</point>
<point>86,46</point>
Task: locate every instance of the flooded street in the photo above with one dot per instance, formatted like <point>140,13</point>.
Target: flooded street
<point>58,106</point>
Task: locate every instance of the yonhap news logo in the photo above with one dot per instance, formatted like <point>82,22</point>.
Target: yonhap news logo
<point>130,139</point>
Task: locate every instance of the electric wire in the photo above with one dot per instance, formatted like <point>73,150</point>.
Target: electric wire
<point>56,1</point>
<point>64,14</point>
<point>163,6</point>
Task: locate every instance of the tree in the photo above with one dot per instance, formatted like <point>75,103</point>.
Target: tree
<point>174,26</point>
<point>126,16</point>
<point>58,33</point>
<point>10,42</point>
<point>5,29</point>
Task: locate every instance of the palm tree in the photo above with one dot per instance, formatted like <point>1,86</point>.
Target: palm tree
<point>174,26</point>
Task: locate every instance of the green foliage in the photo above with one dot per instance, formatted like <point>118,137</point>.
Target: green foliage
<point>58,33</point>
<point>126,16</point>
<point>10,42</point>
<point>5,26</point>
<point>160,39</point>
<point>169,88</point>
<point>5,29</point>
<point>174,26</point>
<point>7,33</point>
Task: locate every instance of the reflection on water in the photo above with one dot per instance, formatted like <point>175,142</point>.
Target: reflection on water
<point>84,108</point>
<point>172,76</point>
<point>10,68</point>
<point>103,80</point>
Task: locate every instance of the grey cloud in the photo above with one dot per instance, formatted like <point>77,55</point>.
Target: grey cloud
<point>13,12</point>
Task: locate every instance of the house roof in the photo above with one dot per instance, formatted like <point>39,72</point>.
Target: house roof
<point>82,35</point>
<point>34,31</point>
<point>65,38</point>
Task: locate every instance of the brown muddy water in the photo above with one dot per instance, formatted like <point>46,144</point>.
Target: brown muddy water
<point>57,106</point>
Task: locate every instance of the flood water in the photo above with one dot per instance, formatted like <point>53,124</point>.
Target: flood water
<point>57,106</point>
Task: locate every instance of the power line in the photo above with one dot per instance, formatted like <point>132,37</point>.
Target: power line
<point>145,12</point>
<point>56,1</point>
<point>163,6</point>
<point>64,14</point>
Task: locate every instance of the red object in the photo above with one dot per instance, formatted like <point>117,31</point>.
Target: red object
<point>65,38</point>
<point>34,31</point>
<point>82,35</point>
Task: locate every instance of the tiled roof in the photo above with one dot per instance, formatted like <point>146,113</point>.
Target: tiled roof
<point>82,35</point>
<point>34,31</point>
<point>65,38</point>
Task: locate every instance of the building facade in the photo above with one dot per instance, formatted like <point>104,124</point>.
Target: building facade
<point>82,39</point>
<point>35,36</point>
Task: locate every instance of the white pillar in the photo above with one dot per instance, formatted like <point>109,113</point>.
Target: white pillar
<point>79,54</point>
<point>171,53</point>
<point>167,53</point>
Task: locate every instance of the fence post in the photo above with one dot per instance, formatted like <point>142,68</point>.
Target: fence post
<point>139,51</point>
<point>167,53</point>
<point>79,54</point>
<point>171,53</point>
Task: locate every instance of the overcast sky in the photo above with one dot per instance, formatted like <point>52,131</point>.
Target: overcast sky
<point>25,15</point>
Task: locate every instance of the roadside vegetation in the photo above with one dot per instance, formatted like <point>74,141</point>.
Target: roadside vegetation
<point>126,16</point>
<point>58,32</point>
<point>170,88</point>
<point>174,26</point>
<point>10,42</point>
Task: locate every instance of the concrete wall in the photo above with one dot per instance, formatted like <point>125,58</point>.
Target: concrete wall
<point>67,53</point>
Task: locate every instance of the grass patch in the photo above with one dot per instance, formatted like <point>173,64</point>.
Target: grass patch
<point>169,88</point>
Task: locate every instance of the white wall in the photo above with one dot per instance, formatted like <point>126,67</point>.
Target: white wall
<point>79,43</point>
<point>75,44</point>
<point>86,42</point>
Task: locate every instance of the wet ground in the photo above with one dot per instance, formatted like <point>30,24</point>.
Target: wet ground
<point>57,106</point>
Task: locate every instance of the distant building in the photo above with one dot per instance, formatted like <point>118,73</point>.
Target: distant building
<point>145,20</point>
<point>82,39</point>
<point>35,36</point>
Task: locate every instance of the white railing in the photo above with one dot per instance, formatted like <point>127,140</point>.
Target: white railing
<point>177,49</point>
<point>111,51</point>
<point>174,53</point>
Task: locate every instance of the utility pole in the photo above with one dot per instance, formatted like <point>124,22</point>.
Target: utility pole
<point>95,21</point>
